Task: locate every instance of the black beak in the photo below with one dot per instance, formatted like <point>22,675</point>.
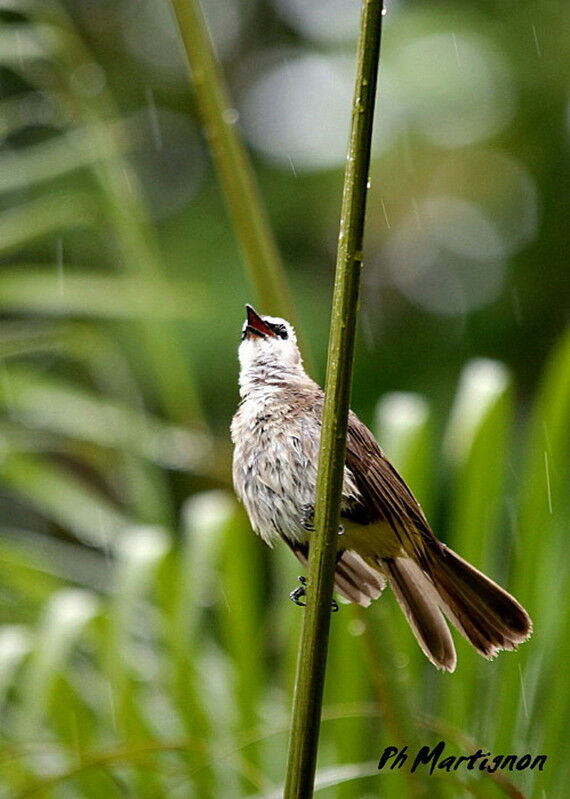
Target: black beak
<point>255,324</point>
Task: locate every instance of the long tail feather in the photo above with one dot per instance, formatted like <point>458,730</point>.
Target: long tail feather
<point>483,612</point>
<point>420,603</point>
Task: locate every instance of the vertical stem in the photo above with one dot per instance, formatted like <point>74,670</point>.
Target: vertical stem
<point>314,640</point>
<point>235,171</point>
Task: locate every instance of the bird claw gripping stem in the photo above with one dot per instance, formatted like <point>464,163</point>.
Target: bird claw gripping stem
<point>298,593</point>
<point>308,518</point>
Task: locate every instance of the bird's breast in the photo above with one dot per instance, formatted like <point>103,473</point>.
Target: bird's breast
<point>274,468</point>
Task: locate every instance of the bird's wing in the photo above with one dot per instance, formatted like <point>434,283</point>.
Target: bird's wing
<point>384,492</point>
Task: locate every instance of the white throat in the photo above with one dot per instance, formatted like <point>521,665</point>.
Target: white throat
<point>260,370</point>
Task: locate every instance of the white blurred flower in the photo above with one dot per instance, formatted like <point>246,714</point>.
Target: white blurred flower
<point>296,109</point>
<point>446,257</point>
<point>501,185</point>
<point>456,86</point>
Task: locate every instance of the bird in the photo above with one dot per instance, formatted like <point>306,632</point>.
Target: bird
<point>385,537</point>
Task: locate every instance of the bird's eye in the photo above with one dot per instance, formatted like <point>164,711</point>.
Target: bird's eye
<point>280,330</point>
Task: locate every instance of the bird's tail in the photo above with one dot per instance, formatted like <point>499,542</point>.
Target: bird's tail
<point>483,612</point>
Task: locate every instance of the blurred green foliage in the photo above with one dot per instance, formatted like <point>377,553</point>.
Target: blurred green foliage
<point>147,647</point>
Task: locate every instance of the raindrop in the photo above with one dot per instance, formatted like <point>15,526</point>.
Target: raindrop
<point>456,49</point>
<point>230,115</point>
<point>548,488</point>
<point>356,627</point>
<point>153,118</point>
<point>385,212</point>
<point>127,178</point>
<point>536,42</point>
<point>523,694</point>
<point>546,436</point>
<point>401,660</point>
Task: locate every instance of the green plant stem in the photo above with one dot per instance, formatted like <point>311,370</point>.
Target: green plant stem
<point>314,640</point>
<point>235,171</point>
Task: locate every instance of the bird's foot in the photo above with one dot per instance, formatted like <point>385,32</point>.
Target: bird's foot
<point>308,518</point>
<point>298,593</point>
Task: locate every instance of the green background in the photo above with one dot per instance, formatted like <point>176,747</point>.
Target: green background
<point>147,646</point>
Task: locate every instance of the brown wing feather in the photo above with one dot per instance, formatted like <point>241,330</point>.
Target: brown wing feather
<point>385,493</point>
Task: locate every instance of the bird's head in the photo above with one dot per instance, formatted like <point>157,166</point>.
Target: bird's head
<point>268,347</point>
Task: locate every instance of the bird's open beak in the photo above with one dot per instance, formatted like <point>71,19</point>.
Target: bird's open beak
<point>255,324</point>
